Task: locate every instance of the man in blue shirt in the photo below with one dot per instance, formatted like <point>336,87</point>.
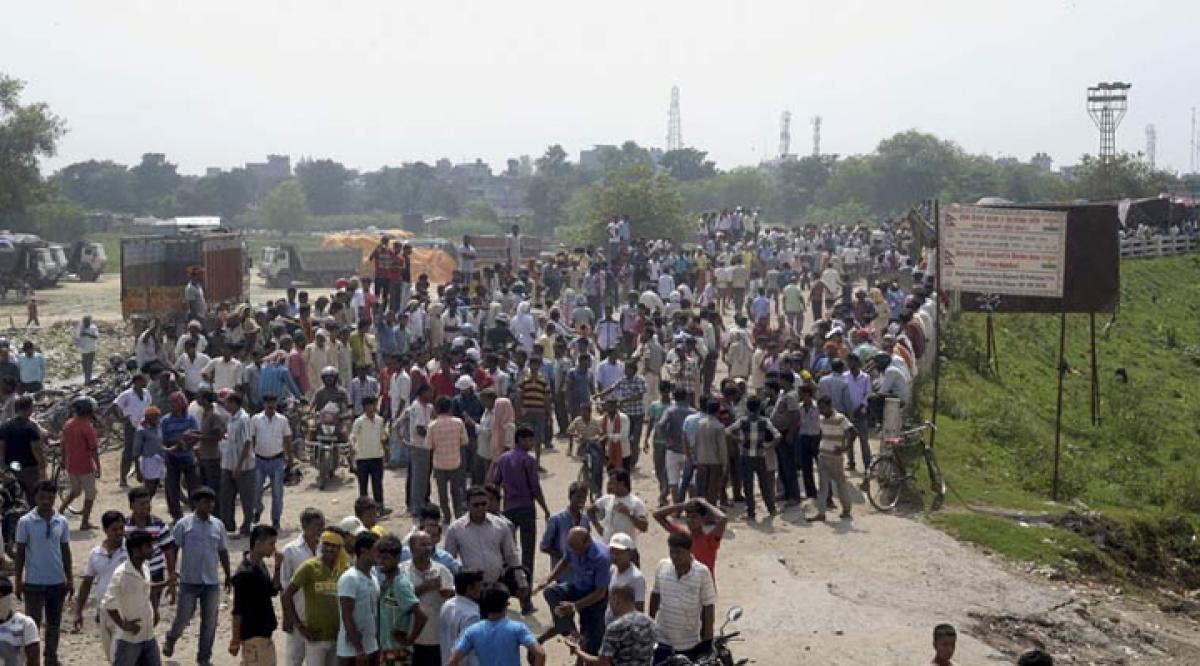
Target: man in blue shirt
<point>180,432</point>
<point>200,537</point>
<point>496,640</point>
<point>275,379</point>
<point>32,365</point>
<point>585,591</point>
<point>43,565</point>
<point>554,539</point>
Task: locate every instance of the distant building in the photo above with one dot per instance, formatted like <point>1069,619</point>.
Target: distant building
<point>1068,172</point>
<point>1042,161</point>
<point>476,182</point>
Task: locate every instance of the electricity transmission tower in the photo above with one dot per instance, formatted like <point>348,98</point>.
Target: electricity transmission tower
<point>785,134</point>
<point>674,134</point>
<point>1151,143</point>
<point>1107,104</point>
<point>816,123</point>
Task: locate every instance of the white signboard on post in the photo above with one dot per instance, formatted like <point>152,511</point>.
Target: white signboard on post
<point>1006,251</point>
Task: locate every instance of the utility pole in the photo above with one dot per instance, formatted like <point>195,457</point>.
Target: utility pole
<point>1151,144</point>
<point>785,134</point>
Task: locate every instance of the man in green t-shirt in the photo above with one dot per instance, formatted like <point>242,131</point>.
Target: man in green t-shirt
<point>653,433</point>
<point>317,578</point>
<point>400,616</point>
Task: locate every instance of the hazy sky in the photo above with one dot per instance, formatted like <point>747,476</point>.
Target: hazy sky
<point>370,82</point>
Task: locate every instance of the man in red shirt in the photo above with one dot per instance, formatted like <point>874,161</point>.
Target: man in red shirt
<point>704,522</point>
<point>81,458</point>
<point>443,381</point>
<point>384,259</point>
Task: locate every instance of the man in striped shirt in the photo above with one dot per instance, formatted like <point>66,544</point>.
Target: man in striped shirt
<point>683,602</point>
<point>535,406</point>
<point>162,559</point>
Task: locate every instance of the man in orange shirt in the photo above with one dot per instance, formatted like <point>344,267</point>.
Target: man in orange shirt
<point>445,437</point>
<point>81,454</point>
<point>704,522</point>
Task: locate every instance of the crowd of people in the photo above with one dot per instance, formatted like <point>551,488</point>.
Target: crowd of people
<point>747,368</point>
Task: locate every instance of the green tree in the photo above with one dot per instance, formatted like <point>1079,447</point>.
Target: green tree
<point>799,181</point>
<point>27,133</point>
<point>155,181</point>
<point>57,219</point>
<point>1126,176</point>
<point>96,185</point>
<point>650,200</point>
<point>225,194</point>
<point>751,187</point>
<point>285,208</point>
<point>481,211</point>
<point>550,189</point>
<point>326,185</point>
<point>688,164</point>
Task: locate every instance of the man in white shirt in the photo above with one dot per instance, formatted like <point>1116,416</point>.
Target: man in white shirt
<point>610,371</point>
<point>132,403</point>
<point>127,604</point>
<point>666,284</point>
<point>272,438</point>
<point>368,438</point>
<point>418,417</point>
<point>620,511</point>
<point>683,603</point>
<point>87,341</point>
<point>622,549</point>
<point>102,562</point>
<point>226,372</point>
<point>303,548</point>
<point>191,365</point>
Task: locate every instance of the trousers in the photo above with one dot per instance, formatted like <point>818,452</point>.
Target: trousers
<point>808,446</point>
<point>832,467</point>
<point>710,482</point>
<point>272,469</point>
<point>525,520</point>
<point>180,471</point>
<point>237,488</point>
<point>788,454</point>
<point>44,604</point>
<point>591,619</point>
<point>754,466</point>
<point>136,654</point>
<point>451,486</point>
<point>370,471</point>
<point>420,467</point>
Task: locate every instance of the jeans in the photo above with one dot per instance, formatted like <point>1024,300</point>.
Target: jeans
<point>595,456</point>
<point>274,469</point>
<point>734,470</point>
<point>560,413</point>
<point>752,467</point>
<point>525,520</point>
<point>660,471</point>
<point>301,652</point>
<point>833,473</point>
<point>419,469</point>
<point>862,426</point>
<point>591,619</point>
<point>451,488</point>
<point>136,654</point>
<point>370,470</point>
<point>240,488</point>
<point>180,469</point>
<point>635,438</point>
<point>808,446</point>
<point>127,451</point>
<point>788,454</point>
<point>539,422</point>
<point>44,603</point>
<point>209,599</point>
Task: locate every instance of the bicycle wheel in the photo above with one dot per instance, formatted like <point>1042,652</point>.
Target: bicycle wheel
<point>63,482</point>
<point>885,479</point>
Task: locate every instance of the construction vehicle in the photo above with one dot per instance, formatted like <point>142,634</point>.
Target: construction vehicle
<point>85,260</point>
<point>286,264</point>
<point>155,271</point>
<point>27,262</point>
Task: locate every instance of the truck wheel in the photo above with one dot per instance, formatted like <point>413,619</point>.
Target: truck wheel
<point>282,281</point>
<point>88,276</point>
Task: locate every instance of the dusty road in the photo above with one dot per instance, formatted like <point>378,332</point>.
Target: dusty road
<point>866,591</point>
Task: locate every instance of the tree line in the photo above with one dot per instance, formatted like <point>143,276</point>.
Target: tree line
<point>657,190</point>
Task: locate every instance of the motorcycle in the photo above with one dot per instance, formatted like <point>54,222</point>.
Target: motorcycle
<point>720,654</point>
<point>13,505</point>
<point>329,442</point>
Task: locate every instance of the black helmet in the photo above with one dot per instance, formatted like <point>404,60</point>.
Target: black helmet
<point>84,405</point>
<point>116,360</point>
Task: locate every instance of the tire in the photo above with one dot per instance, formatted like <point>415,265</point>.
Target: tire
<point>885,481</point>
<point>325,461</point>
<point>937,482</point>
<point>64,487</point>
<point>88,276</point>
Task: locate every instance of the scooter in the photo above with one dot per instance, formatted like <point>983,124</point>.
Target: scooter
<point>329,444</point>
<point>720,654</point>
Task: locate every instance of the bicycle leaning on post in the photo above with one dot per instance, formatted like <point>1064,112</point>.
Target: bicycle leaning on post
<point>894,470</point>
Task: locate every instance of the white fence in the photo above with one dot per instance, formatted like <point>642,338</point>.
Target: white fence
<point>1158,246</point>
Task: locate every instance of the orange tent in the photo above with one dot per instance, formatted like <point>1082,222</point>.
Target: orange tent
<point>437,264</point>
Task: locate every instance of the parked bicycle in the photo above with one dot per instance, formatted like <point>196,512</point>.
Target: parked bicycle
<point>893,473</point>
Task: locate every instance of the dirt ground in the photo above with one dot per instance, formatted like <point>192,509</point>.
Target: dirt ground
<point>865,591</point>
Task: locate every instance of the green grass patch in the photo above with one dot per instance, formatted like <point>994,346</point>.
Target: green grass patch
<point>1140,467</point>
<point>1042,545</point>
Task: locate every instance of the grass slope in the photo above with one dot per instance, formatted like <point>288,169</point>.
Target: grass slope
<point>1140,467</point>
